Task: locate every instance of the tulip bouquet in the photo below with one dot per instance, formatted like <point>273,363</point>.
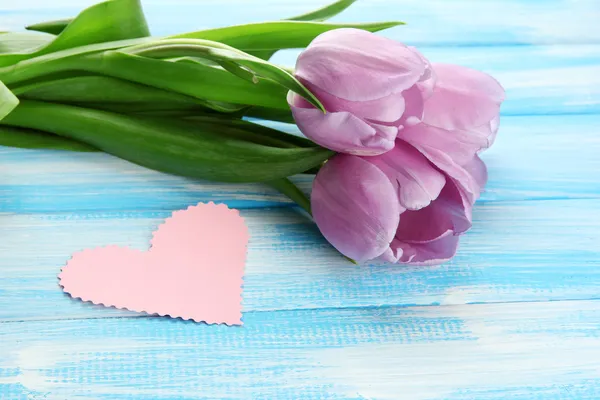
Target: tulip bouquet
<point>392,138</point>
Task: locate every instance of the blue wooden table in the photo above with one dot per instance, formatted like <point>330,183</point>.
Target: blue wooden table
<point>516,315</point>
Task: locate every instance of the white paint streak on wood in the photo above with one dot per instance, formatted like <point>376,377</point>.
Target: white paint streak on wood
<point>510,346</point>
<point>420,353</point>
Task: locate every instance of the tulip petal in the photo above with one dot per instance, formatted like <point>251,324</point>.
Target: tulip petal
<point>494,126</point>
<point>392,254</point>
<point>428,80</point>
<point>467,185</point>
<point>357,65</point>
<point>416,181</point>
<point>354,205</point>
<point>487,131</point>
<point>446,213</point>
<point>415,96</point>
<point>423,225</point>
<point>477,169</point>
<point>466,182</point>
<point>341,131</point>
<point>462,99</point>
<point>431,253</point>
<point>386,109</point>
<point>457,207</point>
<point>461,146</point>
<point>413,113</point>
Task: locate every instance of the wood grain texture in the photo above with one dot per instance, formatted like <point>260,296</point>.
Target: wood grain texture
<point>291,267</point>
<point>546,351</point>
<point>516,315</point>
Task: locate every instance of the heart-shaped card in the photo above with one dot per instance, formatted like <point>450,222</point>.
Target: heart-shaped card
<point>193,269</point>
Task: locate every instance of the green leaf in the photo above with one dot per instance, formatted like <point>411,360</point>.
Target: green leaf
<point>196,80</point>
<point>108,21</point>
<point>206,148</point>
<point>264,54</point>
<point>98,89</point>
<point>54,27</point>
<point>320,14</point>
<point>58,62</point>
<point>32,139</point>
<point>164,109</point>
<point>263,134</point>
<point>229,57</point>
<point>11,42</point>
<point>276,35</point>
<point>115,93</point>
<point>156,111</point>
<point>324,13</point>
<point>192,79</point>
<point>8,101</point>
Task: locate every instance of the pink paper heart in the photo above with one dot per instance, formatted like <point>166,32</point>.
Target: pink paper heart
<point>193,269</point>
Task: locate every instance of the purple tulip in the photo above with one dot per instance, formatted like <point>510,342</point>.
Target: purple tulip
<point>369,85</point>
<point>397,206</point>
<point>405,188</point>
<point>434,170</point>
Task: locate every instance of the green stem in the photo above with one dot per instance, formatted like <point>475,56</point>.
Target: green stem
<point>286,187</point>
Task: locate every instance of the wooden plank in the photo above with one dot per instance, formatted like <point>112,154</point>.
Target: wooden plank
<point>534,157</point>
<point>519,351</point>
<point>521,251</point>
<point>438,22</point>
